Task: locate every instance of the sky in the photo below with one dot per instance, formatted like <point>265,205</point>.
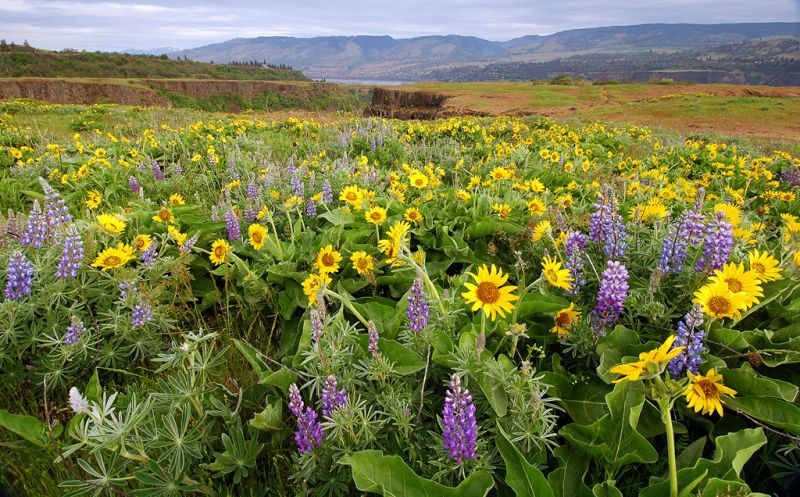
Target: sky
<point>144,24</point>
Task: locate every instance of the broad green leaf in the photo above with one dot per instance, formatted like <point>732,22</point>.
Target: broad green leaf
<point>748,383</point>
<point>532,304</point>
<point>391,477</point>
<point>252,355</point>
<point>615,347</point>
<point>774,412</point>
<point>567,479</point>
<point>728,339</point>
<point>27,427</point>
<point>338,217</point>
<point>404,360</point>
<point>93,389</point>
<point>495,392</point>
<point>270,419</point>
<point>526,480</point>
<point>606,489</point>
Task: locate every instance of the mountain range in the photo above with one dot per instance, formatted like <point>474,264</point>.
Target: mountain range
<point>431,57</point>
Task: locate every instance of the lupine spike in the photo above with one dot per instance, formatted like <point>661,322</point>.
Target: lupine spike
<point>19,279</point>
<point>309,432</point>
<point>71,255</point>
<point>332,397</point>
<point>611,296</point>
<point>372,346</point>
<point>460,431</point>
<point>417,312</point>
<point>692,336</point>
<point>718,244</point>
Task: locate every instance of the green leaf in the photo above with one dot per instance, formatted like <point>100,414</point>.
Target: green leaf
<point>27,427</point>
<point>774,412</point>
<point>617,345</point>
<point>748,383</point>
<point>567,479</point>
<point>495,391</point>
<point>391,477</point>
<point>526,480</point>
<point>281,379</point>
<point>614,436</point>
<point>732,452</point>
<point>338,217</point>
<point>93,389</point>
<point>270,419</point>
<point>536,303</point>
<point>606,489</point>
<point>252,355</point>
<point>404,360</point>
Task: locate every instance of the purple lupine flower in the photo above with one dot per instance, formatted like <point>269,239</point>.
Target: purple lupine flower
<point>19,278</point>
<point>77,402</point>
<point>460,431</point>
<point>37,229</point>
<point>127,288</point>
<point>232,168</point>
<point>417,312</point>
<point>142,167</point>
<point>178,170</point>
<point>316,325</point>
<point>792,176</point>
<point>188,245</point>
<point>141,315</point>
<point>332,398</point>
<point>74,331</point>
<point>691,336</point>
<point>252,191</point>
<point>696,221</point>
<point>611,296</point>
<point>134,185</point>
<point>297,185</point>
<point>157,172</point>
<point>311,208</point>
<point>71,255</point>
<point>55,210</point>
<point>327,192</point>
<point>606,226</point>
<point>574,247</point>
<point>718,244</point>
<point>232,225</point>
<point>372,344</point>
<point>688,229</point>
<point>250,214</point>
<point>148,257</point>
<point>309,432</point>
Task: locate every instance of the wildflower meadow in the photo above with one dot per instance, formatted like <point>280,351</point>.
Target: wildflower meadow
<point>217,304</point>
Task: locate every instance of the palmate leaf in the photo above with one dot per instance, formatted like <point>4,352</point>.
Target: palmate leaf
<point>239,456</point>
<point>391,477</point>
<point>614,437</point>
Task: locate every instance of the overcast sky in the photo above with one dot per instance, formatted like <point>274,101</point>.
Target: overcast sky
<point>116,25</point>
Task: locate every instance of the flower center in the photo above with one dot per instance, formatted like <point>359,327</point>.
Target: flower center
<point>351,197</point>
<point>362,263</point>
<point>719,305</point>
<point>219,252</point>
<point>708,388</point>
<point>758,267</point>
<point>563,319</point>
<point>551,275</point>
<point>113,260</point>
<point>487,292</point>
<point>328,260</point>
<point>257,238</point>
<point>376,216</point>
<point>164,215</point>
<point>734,285</point>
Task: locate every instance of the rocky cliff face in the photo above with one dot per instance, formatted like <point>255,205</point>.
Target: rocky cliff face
<point>403,104</point>
<point>59,91</point>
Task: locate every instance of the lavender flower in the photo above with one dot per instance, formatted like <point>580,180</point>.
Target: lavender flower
<point>297,185</point>
<point>148,257</point>
<point>309,432</point>
<point>78,402</point>
<point>689,229</point>
<point>606,226</point>
<point>134,185</point>
<point>252,191</point>
<point>142,314</point>
<point>311,208</point>
<point>718,244</point>
<point>56,211</point>
<point>327,192</point>
<point>316,325</point>
<point>37,228</point>
<point>127,288</point>
<point>372,345</point>
<point>20,276</point>
<point>157,172</point>
<point>460,432</point>
<point>232,168</point>
<point>232,224</point>
<point>188,245</point>
<point>71,255</point>
<point>792,176</point>
<point>178,170</point>
<point>611,296</point>
<point>574,247</point>
<point>74,331</point>
<point>691,336</point>
<point>332,398</point>
<point>417,312</point>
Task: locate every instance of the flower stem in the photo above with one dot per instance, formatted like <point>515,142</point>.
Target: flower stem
<point>666,415</point>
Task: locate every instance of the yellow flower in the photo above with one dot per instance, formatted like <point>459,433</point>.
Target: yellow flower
<point>142,242</point>
<point>536,207</point>
<point>702,394</point>
<point>502,210</point>
<point>362,262</point>
<point>397,233</point>
<point>352,195</point>
<point>313,284</point>
<point>719,302</point>
<point>219,251</point>
<point>764,266</point>
<point>164,215</point>
<point>376,215</point>
<point>328,260</point>
<point>651,362</point>
<point>463,195</point>
<point>733,213</point>
<point>93,199</point>
<point>176,199</point>
<point>739,281</point>
<point>175,233</point>
<point>114,257</point>
<point>565,319</point>
<point>541,230</point>
<point>110,223</point>
<point>257,234</point>
<point>488,292</point>
<point>418,180</point>
<point>561,278</point>
<point>413,215</point>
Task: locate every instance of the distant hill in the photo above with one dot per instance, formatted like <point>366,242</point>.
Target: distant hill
<point>384,57</point>
<point>150,51</point>
<point>24,61</point>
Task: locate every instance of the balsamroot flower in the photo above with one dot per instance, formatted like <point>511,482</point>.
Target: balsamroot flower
<point>690,336</point>
<point>702,394</point>
<point>309,432</point>
<point>460,432</point>
<point>71,255</point>
<point>332,398</point>
<point>19,279</point>
<point>417,312</point>
<point>611,296</point>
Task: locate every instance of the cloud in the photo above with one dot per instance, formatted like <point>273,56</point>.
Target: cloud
<point>115,25</point>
